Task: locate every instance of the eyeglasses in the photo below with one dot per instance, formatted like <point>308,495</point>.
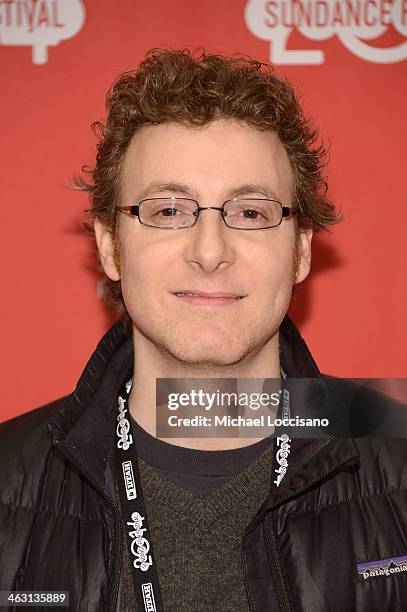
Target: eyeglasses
<point>180,213</point>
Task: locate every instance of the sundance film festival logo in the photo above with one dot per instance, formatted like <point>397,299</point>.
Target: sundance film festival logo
<point>142,559</point>
<point>39,24</point>
<point>356,23</point>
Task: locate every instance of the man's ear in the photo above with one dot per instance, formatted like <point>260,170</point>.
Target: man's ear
<point>107,250</point>
<point>304,255</point>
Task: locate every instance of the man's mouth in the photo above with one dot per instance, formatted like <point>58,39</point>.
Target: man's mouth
<point>205,298</point>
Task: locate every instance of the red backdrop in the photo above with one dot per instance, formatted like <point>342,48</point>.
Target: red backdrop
<point>58,59</point>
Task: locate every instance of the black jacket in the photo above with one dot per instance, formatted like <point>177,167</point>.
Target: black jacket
<point>342,503</point>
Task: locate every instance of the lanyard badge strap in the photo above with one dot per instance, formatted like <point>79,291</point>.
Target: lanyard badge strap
<point>134,514</point>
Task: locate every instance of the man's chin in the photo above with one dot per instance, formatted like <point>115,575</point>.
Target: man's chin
<point>205,357</point>
<point>214,349</point>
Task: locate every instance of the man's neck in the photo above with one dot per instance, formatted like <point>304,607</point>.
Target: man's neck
<point>150,364</point>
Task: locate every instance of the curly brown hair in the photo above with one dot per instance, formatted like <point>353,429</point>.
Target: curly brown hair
<point>196,88</point>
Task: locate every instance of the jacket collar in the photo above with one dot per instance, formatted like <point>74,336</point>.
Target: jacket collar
<point>82,428</point>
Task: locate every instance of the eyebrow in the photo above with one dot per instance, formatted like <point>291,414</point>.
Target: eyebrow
<point>249,189</point>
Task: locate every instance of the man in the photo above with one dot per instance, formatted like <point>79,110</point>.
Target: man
<point>195,152</point>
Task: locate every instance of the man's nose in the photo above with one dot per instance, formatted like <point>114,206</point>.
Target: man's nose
<point>209,246</point>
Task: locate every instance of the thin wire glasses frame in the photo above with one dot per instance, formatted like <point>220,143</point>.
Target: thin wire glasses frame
<point>135,210</point>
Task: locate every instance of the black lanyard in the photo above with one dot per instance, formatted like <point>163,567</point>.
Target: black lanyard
<point>138,535</point>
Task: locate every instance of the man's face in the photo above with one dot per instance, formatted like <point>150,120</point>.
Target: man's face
<point>209,164</point>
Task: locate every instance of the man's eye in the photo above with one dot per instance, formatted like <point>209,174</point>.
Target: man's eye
<point>250,213</point>
<point>167,212</point>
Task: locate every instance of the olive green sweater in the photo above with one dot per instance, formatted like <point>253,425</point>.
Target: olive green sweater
<point>196,539</point>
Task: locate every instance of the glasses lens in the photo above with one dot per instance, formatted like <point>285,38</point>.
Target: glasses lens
<point>253,213</point>
<point>168,212</point>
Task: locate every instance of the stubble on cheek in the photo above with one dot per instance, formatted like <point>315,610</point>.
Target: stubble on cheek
<point>193,337</point>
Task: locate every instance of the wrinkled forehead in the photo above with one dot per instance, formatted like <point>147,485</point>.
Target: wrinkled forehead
<point>212,162</point>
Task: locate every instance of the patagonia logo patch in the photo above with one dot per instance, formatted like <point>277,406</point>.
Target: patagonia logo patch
<point>382,567</point>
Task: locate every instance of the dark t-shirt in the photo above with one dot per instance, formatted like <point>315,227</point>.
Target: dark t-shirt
<point>199,471</point>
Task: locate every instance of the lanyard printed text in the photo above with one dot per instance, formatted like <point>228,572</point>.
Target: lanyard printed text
<point>281,457</point>
<point>142,559</point>
<point>123,427</point>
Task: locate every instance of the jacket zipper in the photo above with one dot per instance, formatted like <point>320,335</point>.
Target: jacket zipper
<point>116,544</point>
<point>270,536</point>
